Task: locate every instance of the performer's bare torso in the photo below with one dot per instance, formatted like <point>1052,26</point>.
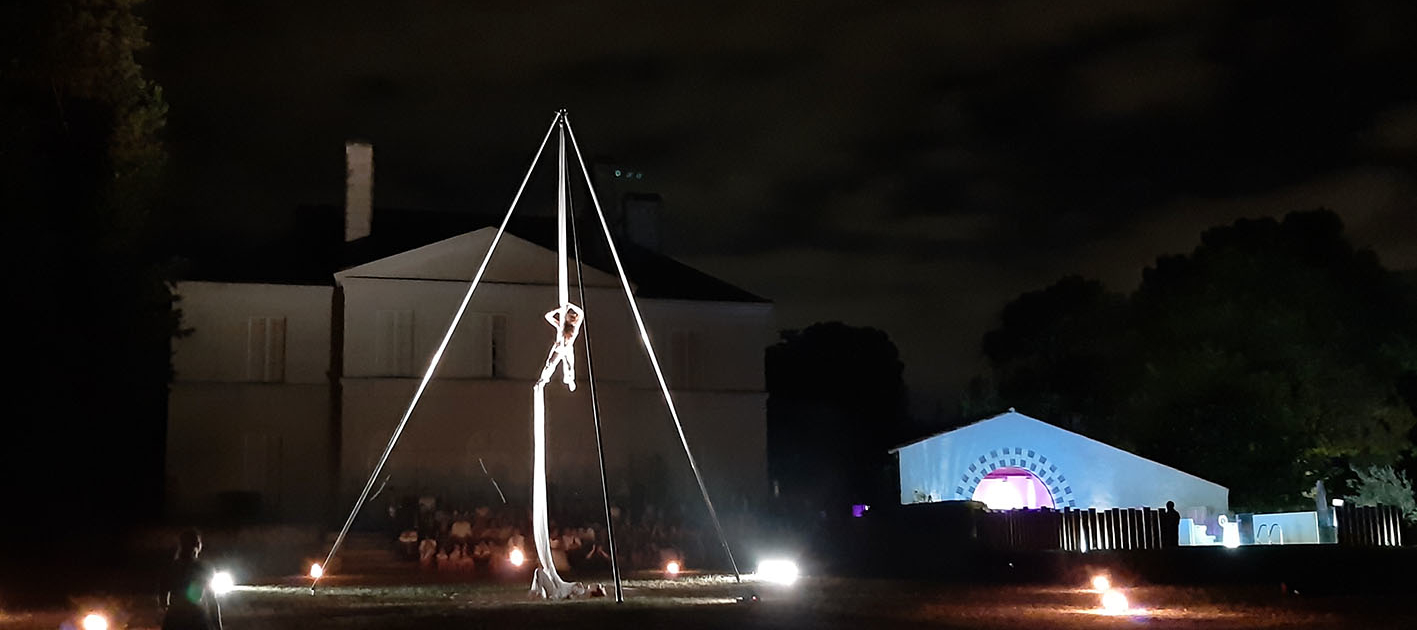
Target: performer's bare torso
<point>567,322</point>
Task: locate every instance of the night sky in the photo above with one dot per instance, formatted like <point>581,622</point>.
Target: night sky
<point>910,166</point>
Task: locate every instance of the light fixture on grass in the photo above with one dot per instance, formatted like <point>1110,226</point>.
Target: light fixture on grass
<point>95,621</point>
<point>1114,602</point>
<point>1101,583</point>
<point>222,583</point>
<point>777,571</point>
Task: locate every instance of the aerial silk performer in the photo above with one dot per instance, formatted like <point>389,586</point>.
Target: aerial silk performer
<point>567,320</point>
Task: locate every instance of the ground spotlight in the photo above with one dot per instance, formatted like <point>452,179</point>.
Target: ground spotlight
<point>1101,583</point>
<point>777,571</point>
<point>516,557</point>
<point>672,568</point>
<point>1114,602</point>
<point>222,583</point>
<point>316,571</point>
<point>95,621</point>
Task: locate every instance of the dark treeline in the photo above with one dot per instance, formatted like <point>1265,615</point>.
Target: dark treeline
<point>836,404</point>
<point>1272,356</point>
<point>81,164</point>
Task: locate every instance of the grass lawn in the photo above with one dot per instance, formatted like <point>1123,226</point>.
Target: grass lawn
<point>714,602</point>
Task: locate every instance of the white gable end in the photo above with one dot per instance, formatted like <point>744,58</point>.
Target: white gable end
<point>1078,471</point>
<point>516,261</point>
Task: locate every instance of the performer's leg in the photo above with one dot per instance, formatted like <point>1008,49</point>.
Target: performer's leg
<point>568,368</point>
<point>552,359</point>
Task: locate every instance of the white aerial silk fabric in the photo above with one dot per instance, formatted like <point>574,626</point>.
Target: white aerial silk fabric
<point>545,582</point>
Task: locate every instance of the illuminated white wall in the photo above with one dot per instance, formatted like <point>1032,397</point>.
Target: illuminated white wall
<point>722,342</point>
<point>227,432</point>
<point>1008,491</point>
<point>272,440</point>
<point>219,315</point>
<point>459,421</point>
<point>231,431</point>
<point>1287,528</point>
<point>1080,472</point>
<point>711,352</point>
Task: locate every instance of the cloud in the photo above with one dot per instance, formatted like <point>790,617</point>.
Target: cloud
<point>1378,207</point>
<point>851,161</point>
<point>1167,76</point>
<point>1395,131</point>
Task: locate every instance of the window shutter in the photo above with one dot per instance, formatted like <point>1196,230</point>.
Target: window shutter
<point>265,349</point>
<point>274,366</point>
<point>255,348</point>
<point>393,343</point>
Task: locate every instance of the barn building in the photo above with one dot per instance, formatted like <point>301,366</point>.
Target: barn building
<point>1013,461</point>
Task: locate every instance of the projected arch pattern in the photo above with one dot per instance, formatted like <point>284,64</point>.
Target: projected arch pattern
<point>1023,459</point>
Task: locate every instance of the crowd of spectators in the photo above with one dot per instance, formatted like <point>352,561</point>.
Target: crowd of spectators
<point>448,538</point>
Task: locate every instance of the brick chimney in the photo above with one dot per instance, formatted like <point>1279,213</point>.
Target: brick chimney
<point>358,190</point>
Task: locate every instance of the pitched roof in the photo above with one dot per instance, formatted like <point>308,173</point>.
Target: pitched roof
<point>315,249</point>
<point>457,259</point>
<point>1016,418</point>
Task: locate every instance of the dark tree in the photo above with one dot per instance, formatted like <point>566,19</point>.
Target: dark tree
<point>1273,355</point>
<point>1272,350</point>
<point>836,404</point>
<point>1060,353</point>
<point>81,163</point>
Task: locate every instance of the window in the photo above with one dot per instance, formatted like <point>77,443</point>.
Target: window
<point>393,343</point>
<point>265,349</point>
<point>478,348</point>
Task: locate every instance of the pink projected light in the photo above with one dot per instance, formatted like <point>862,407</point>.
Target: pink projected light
<point>1013,489</point>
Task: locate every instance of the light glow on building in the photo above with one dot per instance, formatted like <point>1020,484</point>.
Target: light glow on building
<point>1013,489</point>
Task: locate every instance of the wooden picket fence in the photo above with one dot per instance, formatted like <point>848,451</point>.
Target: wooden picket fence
<point>1072,530</point>
<point>1140,528</point>
<point>1369,526</point>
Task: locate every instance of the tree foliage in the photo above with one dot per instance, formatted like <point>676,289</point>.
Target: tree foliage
<point>1382,485</point>
<point>1056,354</point>
<point>1264,359</point>
<point>82,161</point>
<point>836,403</point>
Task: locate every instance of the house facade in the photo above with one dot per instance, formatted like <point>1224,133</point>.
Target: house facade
<point>286,393</point>
<point>250,408</point>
